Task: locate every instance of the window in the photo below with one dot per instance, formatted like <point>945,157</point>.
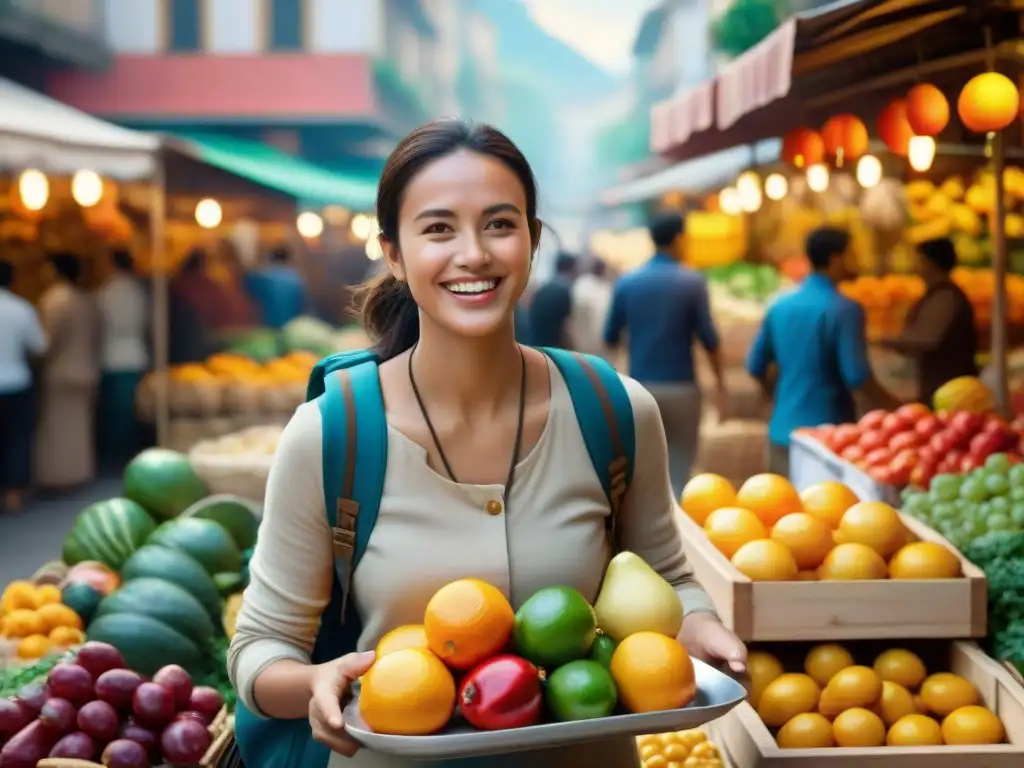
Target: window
<point>184,23</point>
<point>286,24</point>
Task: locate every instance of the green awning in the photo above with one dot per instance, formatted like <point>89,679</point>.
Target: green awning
<point>307,183</point>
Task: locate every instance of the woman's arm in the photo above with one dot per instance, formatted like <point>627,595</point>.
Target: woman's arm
<point>647,523</point>
<point>291,575</point>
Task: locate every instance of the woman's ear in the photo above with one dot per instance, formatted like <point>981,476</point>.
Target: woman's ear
<point>392,257</point>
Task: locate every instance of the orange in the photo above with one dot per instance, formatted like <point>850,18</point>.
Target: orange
<point>34,647</point>
<point>47,594</point>
<point>806,536</point>
<point>852,562</point>
<point>896,703</point>
<point>730,528</point>
<point>874,524</point>
<point>808,730</point>
<point>850,687</point>
<point>787,696</point>
<point>67,636</point>
<point>914,731</point>
<point>55,615</point>
<point>765,560</point>
<point>828,500</point>
<point>704,494</point>
<point>467,622</point>
<point>407,693</point>
<point>770,497</point>
<point>901,666</point>
<point>924,560</point>
<point>972,725</point>
<point>824,661</point>
<point>858,727</point>
<point>945,692</point>
<point>653,673</point>
<point>407,636</point>
<point>19,595</point>
<point>22,623</point>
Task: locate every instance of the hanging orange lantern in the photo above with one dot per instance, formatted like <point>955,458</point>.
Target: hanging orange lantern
<point>845,137</point>
<point>989,102</point>
<point>927,110</point>
<point>802,147</point>
<point>894,128</point>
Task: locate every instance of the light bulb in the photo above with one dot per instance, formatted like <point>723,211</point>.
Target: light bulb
<point>729,201</point>
<point>751,199</point>
<point>309,225</point>
<point>208,213</point>
<point>921,153</point>
<point>373,249</point>
<point>86,188</point>
<point>817,177</point>
<point>869,171</point>
<point>748,184</point>
<point>776,186</point>
<point>34,189</point>
<point>362,226</point>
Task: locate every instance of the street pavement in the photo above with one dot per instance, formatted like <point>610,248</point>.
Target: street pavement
<point>33,535</point>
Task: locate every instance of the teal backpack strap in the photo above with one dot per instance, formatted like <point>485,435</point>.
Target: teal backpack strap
<point>605,416</point>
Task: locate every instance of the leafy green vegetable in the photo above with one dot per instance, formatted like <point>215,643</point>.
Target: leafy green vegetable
<point>214,672</point>
<point>14,677</point>
<point>995,545</point>
<point>1000,554</point>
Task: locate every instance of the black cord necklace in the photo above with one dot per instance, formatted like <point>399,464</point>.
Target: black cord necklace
<point>519,426</point>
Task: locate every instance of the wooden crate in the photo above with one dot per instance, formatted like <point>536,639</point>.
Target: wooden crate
<point>840,610</point>
<point>750,744</point>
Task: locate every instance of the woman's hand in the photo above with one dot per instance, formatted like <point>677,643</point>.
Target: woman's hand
<point>709,640</point>
<point>332,681</point>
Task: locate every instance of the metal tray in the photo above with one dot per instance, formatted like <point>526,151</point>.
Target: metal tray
<point>717,693</point>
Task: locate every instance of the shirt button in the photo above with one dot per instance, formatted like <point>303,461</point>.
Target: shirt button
<point>493,507</point>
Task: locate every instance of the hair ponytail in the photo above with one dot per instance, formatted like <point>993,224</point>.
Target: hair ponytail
<point>390,315</point>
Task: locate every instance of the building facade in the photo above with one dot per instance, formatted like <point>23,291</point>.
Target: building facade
<point>334,80</point>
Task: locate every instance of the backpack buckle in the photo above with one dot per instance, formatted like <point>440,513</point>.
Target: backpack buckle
<point>343,534</point>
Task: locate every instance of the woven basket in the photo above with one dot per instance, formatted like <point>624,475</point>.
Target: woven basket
<point>240,474</point>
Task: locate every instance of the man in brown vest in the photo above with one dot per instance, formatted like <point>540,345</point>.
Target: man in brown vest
<point>939,333</point>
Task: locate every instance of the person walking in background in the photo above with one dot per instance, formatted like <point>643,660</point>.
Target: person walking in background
<point>65,453</point>
<point>22,338</point>
<point>591,299</point>
<point>124,310</point>
<point>278,289</point>
<point>810,354</point>
<point>939,334</point>
<point>192,296</point>
<point>664,308</point>
<point>551,305</point>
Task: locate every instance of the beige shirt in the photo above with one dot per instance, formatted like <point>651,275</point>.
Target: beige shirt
<point>72,323</point>
<point>431,531</point>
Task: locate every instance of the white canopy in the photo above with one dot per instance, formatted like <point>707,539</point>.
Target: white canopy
<point>697,175</point>
<point>39,132</point>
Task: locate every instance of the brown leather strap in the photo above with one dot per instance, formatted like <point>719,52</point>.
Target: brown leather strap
<point>617,484</point>
<point>344,531</point>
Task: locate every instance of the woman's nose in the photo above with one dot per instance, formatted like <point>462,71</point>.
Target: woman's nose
<point>473,253</point>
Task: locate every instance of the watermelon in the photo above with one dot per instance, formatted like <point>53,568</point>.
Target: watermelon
<point>177,567</point>
<point>165,602</point>
<point>108,532</point>
<point>81,598</point>
<point>207,542</point>
<point>239,517</point>
<point>147,644</point>
<point>163,482</point>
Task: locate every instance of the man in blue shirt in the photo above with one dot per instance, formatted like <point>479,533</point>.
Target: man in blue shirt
<point>278,289</point>
<point>551,305</point>
<point>664,307</point>
<point>810,354</point>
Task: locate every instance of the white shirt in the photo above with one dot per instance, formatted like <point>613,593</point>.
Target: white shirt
<point>591,299</point>
<point>22,335</point>
<point>122,303</point>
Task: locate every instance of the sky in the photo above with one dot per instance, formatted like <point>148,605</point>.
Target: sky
<point>603,30</point>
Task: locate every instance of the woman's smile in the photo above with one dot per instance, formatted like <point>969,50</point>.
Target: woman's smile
<point>473,291</point>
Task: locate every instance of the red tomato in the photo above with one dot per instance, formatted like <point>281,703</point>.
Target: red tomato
<point>852,453</point>
<point>844,436</point>
<point>908,457</point>
<point>921,476</point>
<point>928,455</point>
<point>905,440</point>
<point>914,411</point>
<point>873,440</point>
<point>928,427</point>
<point>894,422</point>
<point>503,692</point>
<point>872,419</point>
<point>994,423</point>
<point>968,422</point>
<point>883,475</point>
<point>956,456</point>
<point>878,457</point>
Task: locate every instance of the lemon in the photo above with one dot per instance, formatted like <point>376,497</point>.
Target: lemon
<point>855,686</point>
<point>944,692</point>
<point>824,661</point>
<point>809,730</point>
<point>972,725</point>
<point>858,727</point>
<point>914,731</point>
<point>896,702</point>
<point>762,668</point>
<point>901,666</point>
<point>765,560</point>
<point>786,697</point>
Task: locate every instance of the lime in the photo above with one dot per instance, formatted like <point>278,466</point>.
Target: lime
<point>998,463</point>
<point>581,690</point>
<point>555,626</point>
<point>602,649</point>
<point>997,485</point>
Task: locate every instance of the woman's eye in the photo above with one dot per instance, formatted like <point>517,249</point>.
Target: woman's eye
<point>500,224</point>
<point>437,228</point>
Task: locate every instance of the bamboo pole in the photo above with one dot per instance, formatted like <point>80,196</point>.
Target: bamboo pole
<point>161,331</point>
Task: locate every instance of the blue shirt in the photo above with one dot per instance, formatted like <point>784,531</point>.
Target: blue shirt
<point>280,294</point>
<point>549,312</point>
<point>815,336</point>
<point>664,306</point>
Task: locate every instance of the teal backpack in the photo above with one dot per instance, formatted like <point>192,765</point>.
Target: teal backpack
<point>347,389</point>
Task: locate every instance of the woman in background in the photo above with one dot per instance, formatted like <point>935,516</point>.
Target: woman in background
<point>65,454</point>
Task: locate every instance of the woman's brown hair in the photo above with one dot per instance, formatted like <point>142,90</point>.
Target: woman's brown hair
<point>386,306</point>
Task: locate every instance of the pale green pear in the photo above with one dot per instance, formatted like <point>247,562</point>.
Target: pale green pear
<point>634,598</point>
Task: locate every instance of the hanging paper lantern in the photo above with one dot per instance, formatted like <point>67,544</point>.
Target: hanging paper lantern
<point>802,147</point>
<point>894,128</point>
<point>927,110</point>
<point>845,137</point>
<point>989,102</point>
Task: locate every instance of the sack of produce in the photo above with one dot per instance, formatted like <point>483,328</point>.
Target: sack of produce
<point>239,463</point>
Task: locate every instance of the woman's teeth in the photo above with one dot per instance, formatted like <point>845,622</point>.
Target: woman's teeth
<point>477,286</point>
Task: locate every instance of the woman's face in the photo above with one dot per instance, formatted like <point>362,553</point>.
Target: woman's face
<point>463,243</point>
